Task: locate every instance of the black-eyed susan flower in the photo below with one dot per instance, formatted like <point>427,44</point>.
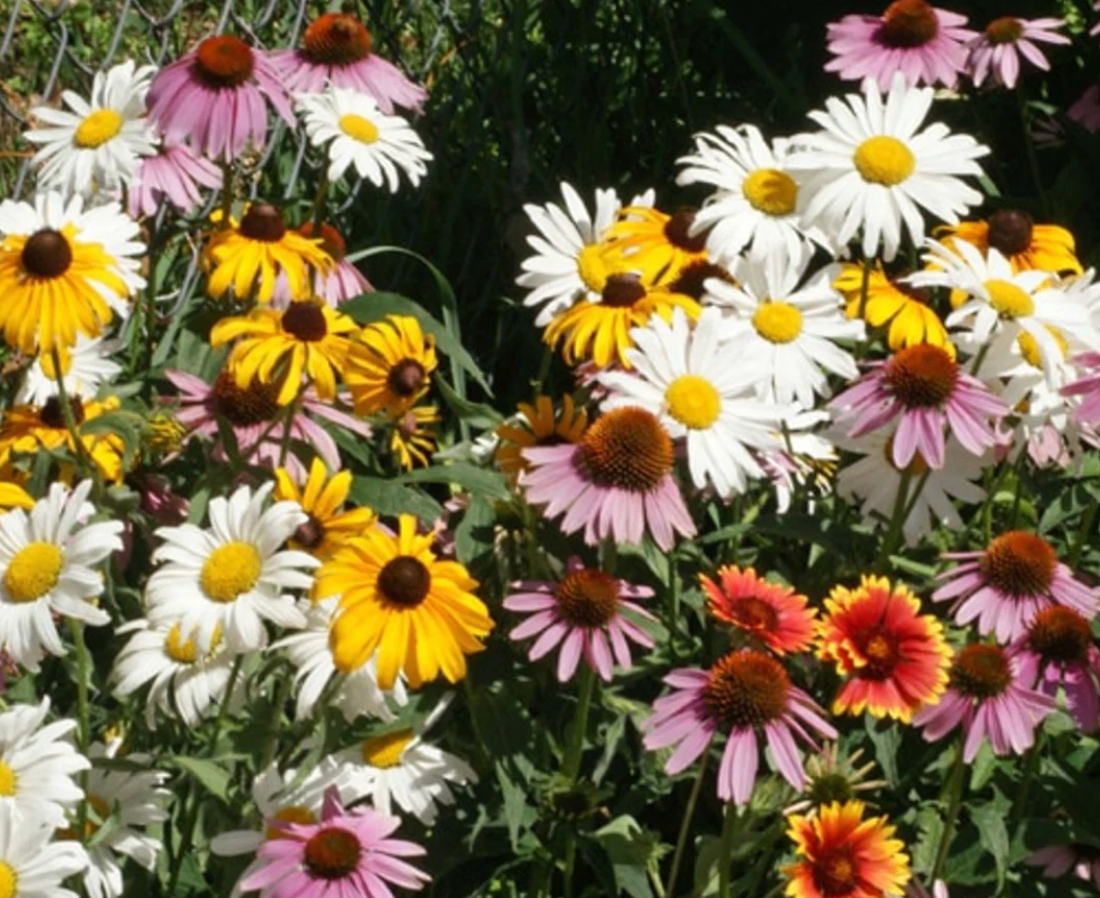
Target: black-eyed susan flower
<point>843,855</point>
<point>537,424</point>
<point>656,245</point>
<point>322,498</point>
<point>389,366</point>
<point>64,270</point>
<point>250,253</point>
<point>29,429</point>
<point>307,338</point>
<point>1015,235</point>
<point>412,440</point>
<point>399,599</point>
<point>892,302</point>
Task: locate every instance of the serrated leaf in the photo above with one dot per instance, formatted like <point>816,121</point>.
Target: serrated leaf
<point>389,498</point>
<point>993,835</point>
<point>886,737</point>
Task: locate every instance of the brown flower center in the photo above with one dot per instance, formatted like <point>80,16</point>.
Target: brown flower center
<point>881,650</point>
<point>406,378</point>
<point>404,581</point>
<point>908,23</point>
<point>310,534</point>
<point>1020,564</point>
<point>332,241</point>
<point>1060,635</point>
<point>626,448</point>
<point>692,277</point>
<point>1010,231</point>
<point>223,61</point>
<point>921,376</point>
<point>835,872</point>
<point>622,290</point>
<point>588,598</point>
<point>747,689</point>
<point>243,408</point>
<point>263,222</point>
<point>332,853</point>
<point>1004,30</point>
<point>46,254</point>
<point>678,233</point>
<point>52,415</point>
<point>751,613</point>
<point>305,321</point>
<point>336,39</point>
<point>981,671</point>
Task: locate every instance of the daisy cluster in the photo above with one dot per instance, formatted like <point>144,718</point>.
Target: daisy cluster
<point>775,503</point>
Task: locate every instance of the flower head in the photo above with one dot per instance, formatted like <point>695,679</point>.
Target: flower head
<point>322,498</point>
<point>775,615</point>
<point>32,862</point>
<point>891,301</point>
<point>1060,650</point>
<point>173,173</point>
<point>1014,234</point>
<point>85,367</point>
<point>537,424</point>
<point>655,245</point>
<point>389,365</point>
<point>895,658</point>
<point>996,52</point>
<point>413,435</point>
<point>583,614</point>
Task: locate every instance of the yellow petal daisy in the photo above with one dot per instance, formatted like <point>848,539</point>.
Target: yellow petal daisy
<point>390,365</point>
<point>280,346</point>
<point>399,599</point>
<point>656,245</point>
<point>28,429</point>
<point>322,498</point>
<point>413,440</point>
<point>1026,245</point>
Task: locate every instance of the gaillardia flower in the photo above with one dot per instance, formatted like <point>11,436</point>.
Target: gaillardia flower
<point>213,97</point>
<point>989,695</point>
<point>1006,585</point>
<point>894,657</point>
<point>775,615</point>
<point>750,694</point>
<point>582,613</point>
<point>926,389</point>
<point>616,482</point>
<point>399,599</point>
<point>843,855</point>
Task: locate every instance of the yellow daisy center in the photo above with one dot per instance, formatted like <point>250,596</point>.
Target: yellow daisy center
<point>185,651</point>
<point>9,881</point>
<point>693,401</point>
<point>384,752</point>
<point>884,160</point>
<point>230,570</point>
<point>295,813</point>
<point>8,780</point>
<point>33,572</point>
<point>591,268</point>
<point>97,128</point>
<point>358,128</point>
<point>1029,346</point>
<point>770,191</point>
<point>777,322</point>
<point>1008,300</point>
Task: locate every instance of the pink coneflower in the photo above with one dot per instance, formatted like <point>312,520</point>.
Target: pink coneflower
<point>1058,651</point>
<point>582,613</point>
<point>998,49</point>
<point>258,421</point>
<point>338,49</point>
<point>927,45</point>
<point>1004,587</point>
<point>1088,412</point>
<point>927,388</point>
<point>1057,860</point>
<point>345,853</point>
<point>213,97</point>
<point>745,692</point>
<point>175,174</point>
<point>616,482</point>
<point>342,282</point>
<point>989,694</point>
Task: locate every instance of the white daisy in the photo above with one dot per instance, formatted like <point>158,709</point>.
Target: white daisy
<point>380,146</point>
<point>48,560</point>
<point>569,259</point>
<point>1003,302</point>
<point>32,866</point>
<point>756,203</point>
<point>279,798</point>
<point>98,144</point>
<point>85,367</point>
<point>311,653</point>
<point>700,390</point>
<point>38,764</point>
<point>232,577</point>
<point>186,681</point>
<point>784,332</point>
<point>400,768</point>
<point>874,480</point>
<point>128,801</point>
<point>871,170</point>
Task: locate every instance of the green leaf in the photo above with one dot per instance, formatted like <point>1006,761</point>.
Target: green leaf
<point>474,535</point>
<point>886,737</point>
<point>214,779</point>
<point>478,481</point>
<point>478,414</point>
<point>389,498</point>
<point>518,814</point>
<point>993,835</point>
<point>629,848</point>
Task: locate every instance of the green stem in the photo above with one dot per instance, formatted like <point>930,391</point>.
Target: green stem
<point>282,690</point>
<point>84,462</point>
<point>223,710</point>
<point>897,521</point>
<point>685,826</point>
<point>573,754</point>
<point>227,194</point>
<point>978,359</point>
<point>725,851</point>
<point>83,730</point>
<point>318,213</point>
<point>1082,535</point>
<point>955,787</point>
<point>1031,767</point>
<point>291,412</point>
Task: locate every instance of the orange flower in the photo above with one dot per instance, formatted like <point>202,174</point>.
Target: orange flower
<point>896,658</point>
<point>539,425</point>
<point>845,856</point>
<point>774,614</point>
